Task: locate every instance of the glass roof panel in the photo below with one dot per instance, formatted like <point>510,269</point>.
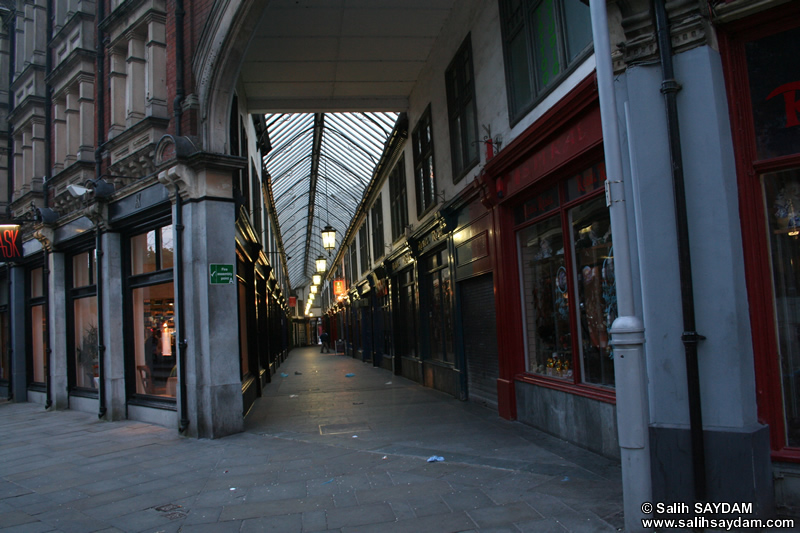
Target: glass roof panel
<point>320,165</point>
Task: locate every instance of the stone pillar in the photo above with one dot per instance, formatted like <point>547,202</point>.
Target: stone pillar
<point>38,147</point>
<point>134,96</point>
<point>18,312</point>
<point>19,164</point>
<point>73,127</point>
<point>156,103</point>
<point>27,162</point>
<point>113,313</point>
<point>57,343</point>
<point>117,82</point>
<point>87,120</point>
<point>59,135</point>
<point>210,317</point>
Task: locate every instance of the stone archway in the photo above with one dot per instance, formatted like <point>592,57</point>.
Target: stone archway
<point>217,63</point>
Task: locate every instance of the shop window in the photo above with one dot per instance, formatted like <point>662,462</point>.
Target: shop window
<point>438,307</point>
<point>782,193</point>
<point>244,345</point>
<point>83,343</point>
<point>424,176</point>
<point>407,314</point>
<point>38,330</point>
<point>152,361</point>
<point>5,368</point>
<point>377,229</point>
<point>363,244</point>
<point>542,40</point>
<point>462,111</point>
<point>398,200</point>
<point>567,279</point>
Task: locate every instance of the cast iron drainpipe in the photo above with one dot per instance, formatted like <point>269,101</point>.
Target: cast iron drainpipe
<point>690,337</point>
<point>48,164</point>
<point>98,160</point>
<point>178,112</point>
<point>12,52</point>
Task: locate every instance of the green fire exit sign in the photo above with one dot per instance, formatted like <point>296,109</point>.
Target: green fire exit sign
<point>221,274</point>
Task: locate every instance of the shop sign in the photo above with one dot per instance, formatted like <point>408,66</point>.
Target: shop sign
<point>221,274</point>
<point>338,287</point>
<point>559,150</point>
<point>772,68</point>
<point>10,245</point>
<point>292,301</point>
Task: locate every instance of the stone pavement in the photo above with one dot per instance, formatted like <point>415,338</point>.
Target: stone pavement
<point>321,452</point>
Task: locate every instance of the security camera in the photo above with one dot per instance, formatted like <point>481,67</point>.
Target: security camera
<point>77,190</point>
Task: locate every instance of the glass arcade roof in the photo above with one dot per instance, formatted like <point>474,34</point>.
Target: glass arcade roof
<point>320,165</point>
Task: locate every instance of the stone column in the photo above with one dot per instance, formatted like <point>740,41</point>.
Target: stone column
<point>38,147</point>
<point>73,127</point>
<point>118,84</point>
<point>87,120</point>
<point>113,312</point>
<point>59,135</point>
<point>211,327</point>
<point>57,343</point>
<point>156,103</point>
<point>135,94</point>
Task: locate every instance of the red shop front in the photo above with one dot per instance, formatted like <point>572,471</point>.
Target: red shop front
<point>556,296</point>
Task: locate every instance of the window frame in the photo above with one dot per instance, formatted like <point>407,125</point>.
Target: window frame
<point>73,294</point>
<point>518,110</point>
<point>575,384</point>
<point>132,282</point>
<point>425,189</point>
<point>457,109</point>
<point>363,247</point>
<point>398,199</point>
<point>378,245</point>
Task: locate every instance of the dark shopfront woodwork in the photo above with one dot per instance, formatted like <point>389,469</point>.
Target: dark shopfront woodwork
<point>525,176</point>
<point>762,67</point>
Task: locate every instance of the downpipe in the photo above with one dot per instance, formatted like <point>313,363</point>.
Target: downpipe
<point>690,337</point>
<point>98,160</point>
<point>182,344</point>
<point>627,331</point>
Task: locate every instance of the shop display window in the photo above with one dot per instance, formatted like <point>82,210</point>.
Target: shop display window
<point>38,326</point>
<point>566,267</point>
<point>152,314</point>
<point>782,193</point>
<point>84,339</point>
<point>439,296</point>
<point>5,368</point>
<point>154,340</point>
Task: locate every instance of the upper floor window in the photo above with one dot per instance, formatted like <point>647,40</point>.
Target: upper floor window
<point>422,139</point>
<point>397,194</point>
<point>363,245</point>
<point>542,39</point>
<point>377,229</point>
<point>462,112</point>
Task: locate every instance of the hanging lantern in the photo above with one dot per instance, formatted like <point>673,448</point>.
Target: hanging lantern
<point>314,289</point>
<point>322,263</point>
<point>329,238</point>
<point>317,279</point>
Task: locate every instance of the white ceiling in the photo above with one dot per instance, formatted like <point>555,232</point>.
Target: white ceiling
<point>340,55</point>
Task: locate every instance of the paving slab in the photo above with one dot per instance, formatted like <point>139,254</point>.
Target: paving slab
<point>365,471</point>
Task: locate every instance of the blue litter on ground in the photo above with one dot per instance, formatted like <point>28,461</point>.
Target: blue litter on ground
<point>349,375</point>
<point>329,481</point>
<point>566,478</point>
<point>284,375</point>
<point>435,459</point>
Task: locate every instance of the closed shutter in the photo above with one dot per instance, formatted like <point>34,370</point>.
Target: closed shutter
<point>480,338</point>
